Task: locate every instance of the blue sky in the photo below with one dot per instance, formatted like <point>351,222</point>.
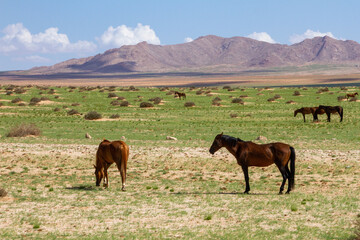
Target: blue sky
<point>45,32</point>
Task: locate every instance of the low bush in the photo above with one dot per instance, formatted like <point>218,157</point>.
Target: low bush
<point>112,95</point>
<point>341,98</point>
<point>23,130</point>
<point>156,100</point>
<point>189,104</point>
<point>92,115</point>
<point>296,93</point>
<point>237,100</point>
<point>73,112</point>
<point>16,100</point>
<point>146,105</point>
<point>115,116</point>
<point>124,104</point>
<point>35,100</point>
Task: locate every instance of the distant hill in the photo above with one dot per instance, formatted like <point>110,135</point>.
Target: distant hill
<point>212,53</point>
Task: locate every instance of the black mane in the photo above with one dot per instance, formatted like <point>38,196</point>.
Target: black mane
<point>231,140</point>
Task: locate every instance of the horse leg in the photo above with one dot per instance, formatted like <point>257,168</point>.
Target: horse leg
<point>122,170</point>
<point>285,176</point>
<point>106,178</point>
<point>304,117</point>
<point>246,175</point>
<point>328,116</point>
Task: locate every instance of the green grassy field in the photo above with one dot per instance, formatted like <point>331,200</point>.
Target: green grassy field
<point>176,189</point>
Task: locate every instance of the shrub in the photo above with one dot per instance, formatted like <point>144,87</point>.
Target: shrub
<point>189,104</point>
<point>112,95</point>
<point>35,100</point>
<point>19,90</point>
<point>44,99</point>
<point>216,101</point>
<point>237,100</point>
<point>16,100</point>
<point>115,103</point>
<point>277,96</point>
<point>3,193</point>
<point>233,115</point>
<point>92,115</point>
<point>341,98</point>
<point>73,112</point>
<point>1,104</point>
<point>124,104</point>
<point>146,105</point>
<point>271,99</point>
<point>121,98</point>
<point>156,100</point>
<point>296,93</point>
<point>23,130</point>
<point>56,109</point>
<point>115,116</point>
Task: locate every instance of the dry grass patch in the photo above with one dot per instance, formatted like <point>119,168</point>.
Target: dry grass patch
<point>24,130</point>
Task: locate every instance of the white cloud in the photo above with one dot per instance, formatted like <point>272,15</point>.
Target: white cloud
<point>33,58</point>
<point>188,39</point>
<point>296,38</point>
<point>17,38</point>
<point>123,35</point>
<point>262,36</point>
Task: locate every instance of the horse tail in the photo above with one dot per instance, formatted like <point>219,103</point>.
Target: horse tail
<point>124,159</point>
<point>292,167</point>
<point>341,113</point>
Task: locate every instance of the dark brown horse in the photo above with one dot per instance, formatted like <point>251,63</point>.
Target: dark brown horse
<point>308,110</point>
<point>108,153</point>
<point>351,95</point>
<point>330,109</point>
<point>180,94</point>
<point>250,154</point>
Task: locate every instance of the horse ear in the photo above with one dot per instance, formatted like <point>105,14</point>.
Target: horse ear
<point>221,133</point>
<point>94,166</point>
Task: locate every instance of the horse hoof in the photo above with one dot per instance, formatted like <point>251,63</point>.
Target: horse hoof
<point>288,192</point>
<point>280,193</point>
<point>246,192</point>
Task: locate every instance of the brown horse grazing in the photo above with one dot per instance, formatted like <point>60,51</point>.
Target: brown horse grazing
<point>108,153</point>
<point>349,95</point>
<point>330,109</point>
<point>179,94</point>
<point>250,154</point>
<point>308,110</point>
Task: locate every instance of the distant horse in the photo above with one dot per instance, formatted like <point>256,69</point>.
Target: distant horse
<point>351,95</point>
<point>180,94</point>
<point>108,153</point>
<point>330,109</point>
<point>308,110</point>
<point>250,154</point>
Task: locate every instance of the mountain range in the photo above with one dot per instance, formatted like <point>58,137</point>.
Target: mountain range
<point>211,53</point>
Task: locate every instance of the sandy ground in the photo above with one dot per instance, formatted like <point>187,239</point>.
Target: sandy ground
<point>73,212</point>
<point>271,80</point>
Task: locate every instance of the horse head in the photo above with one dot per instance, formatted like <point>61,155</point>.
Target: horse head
<point>217,144</point>
<point>99,174</point>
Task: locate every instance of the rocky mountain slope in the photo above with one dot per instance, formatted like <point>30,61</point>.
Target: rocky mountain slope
<point>211,52</point>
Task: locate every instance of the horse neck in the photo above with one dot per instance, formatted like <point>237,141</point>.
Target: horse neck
<point>99,164</point>
<point>229,144</point>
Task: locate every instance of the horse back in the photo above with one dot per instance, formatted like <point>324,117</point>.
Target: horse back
<point>262,155</point>
<point>119,151</point>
